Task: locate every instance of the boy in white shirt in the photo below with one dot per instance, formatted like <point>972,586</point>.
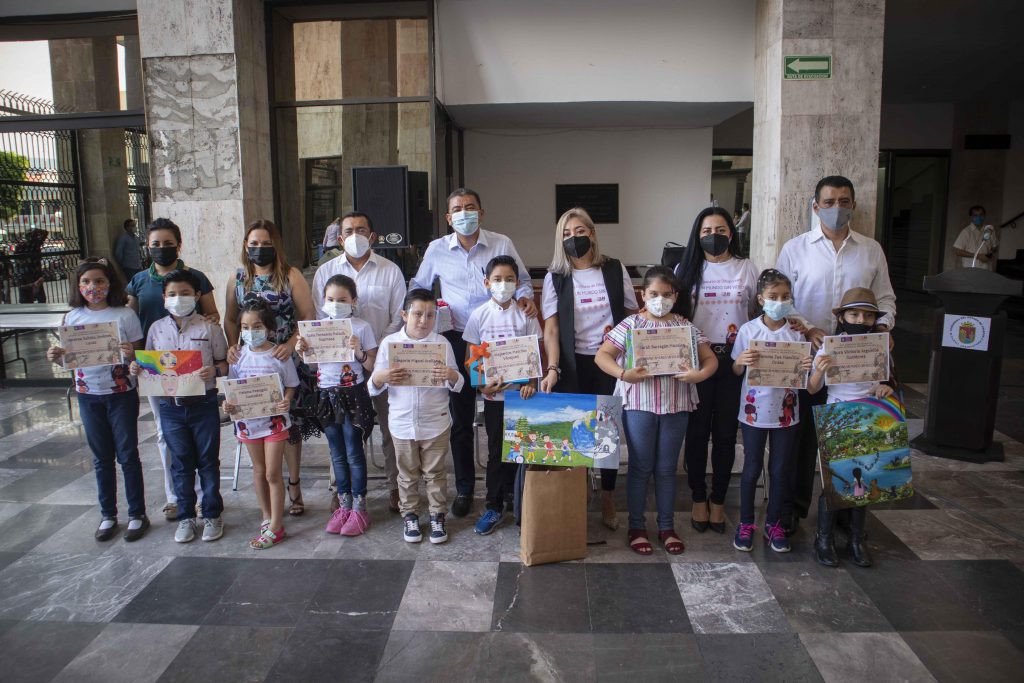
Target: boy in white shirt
<point>418,417</point>
<point>498,318</point>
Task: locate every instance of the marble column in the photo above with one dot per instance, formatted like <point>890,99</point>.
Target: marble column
<point>805,130</point>
<point>207,113</point>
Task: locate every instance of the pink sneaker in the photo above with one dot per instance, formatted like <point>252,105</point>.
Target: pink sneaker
<point>357,523</point>
<point>337,520</point>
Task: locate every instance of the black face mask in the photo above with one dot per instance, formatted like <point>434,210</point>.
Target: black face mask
<point>853,328</point>
<point>164,256</point>
<point>576,247</point>
<point>716,244</point>
<point>262,256</point>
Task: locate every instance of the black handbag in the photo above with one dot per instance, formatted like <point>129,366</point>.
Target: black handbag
<point>672,254</point>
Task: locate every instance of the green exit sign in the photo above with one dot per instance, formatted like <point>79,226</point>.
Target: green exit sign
<point>806,67</point>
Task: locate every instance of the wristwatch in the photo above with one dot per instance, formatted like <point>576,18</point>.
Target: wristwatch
<point>558,370</point>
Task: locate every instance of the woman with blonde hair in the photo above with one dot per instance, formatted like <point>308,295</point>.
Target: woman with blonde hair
<point>265,274</point>
<point>585,295</point>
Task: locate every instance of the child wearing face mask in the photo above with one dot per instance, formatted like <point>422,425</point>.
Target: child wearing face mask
<point>264,437</point>
<point>191,424</point>
<point>767,414</point>
<point>107,401</point>
<point>857,313</point>
<point>344,408</point>
<point>496,319</point>
<point>656,410</point>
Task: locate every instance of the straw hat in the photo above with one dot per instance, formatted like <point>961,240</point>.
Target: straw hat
<point>859,298</point>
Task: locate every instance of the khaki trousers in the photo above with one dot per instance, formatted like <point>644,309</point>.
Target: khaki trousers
<point>422,459</point>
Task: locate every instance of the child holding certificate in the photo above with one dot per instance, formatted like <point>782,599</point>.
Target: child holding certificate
<point>418,416</point>
<point>857,313</point>
<point>191,424</point>
<point>498,318</point>
<point>766,414</point>
<point>656,409</point>
<point>344,408</point>
<point>107,400</point>
<point>264,437</point>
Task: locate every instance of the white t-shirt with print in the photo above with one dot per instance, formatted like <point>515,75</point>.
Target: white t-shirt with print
<point>491,322</point>
<point>762,406</point>
<point>252,364</point>
<point>592,308</point>
<point>724,300</point>
<point>334,374</point>
<point>102,380</point>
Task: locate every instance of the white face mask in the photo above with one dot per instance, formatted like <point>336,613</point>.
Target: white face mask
<point>338,309</point>
<point>502,291</point>
<point>466,222</point>
<point>180,305</point>
<point>253,338</point>
<point>659,306</point>
<point>356,245</point>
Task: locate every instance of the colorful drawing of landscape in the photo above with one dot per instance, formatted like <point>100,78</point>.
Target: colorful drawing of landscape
<point>864,452</point>
<point>562,430</point>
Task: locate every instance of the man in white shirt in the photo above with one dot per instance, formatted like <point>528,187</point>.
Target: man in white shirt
<point>977,238</point>
<point>822,265</point>
<point>459,260</point>
<point>380,290</point>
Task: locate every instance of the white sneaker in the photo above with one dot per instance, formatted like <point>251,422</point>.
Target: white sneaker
<point>213,529</point>
<point>186,531</point>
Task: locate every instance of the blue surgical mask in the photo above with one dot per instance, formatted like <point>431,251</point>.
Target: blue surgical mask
<point>977,220</point>
<point>778,310</point>
<point>834,217</point>
<point>253,338</point>
<point>466,222</point>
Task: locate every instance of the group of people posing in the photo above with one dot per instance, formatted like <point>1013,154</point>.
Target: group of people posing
<point>829,280</point>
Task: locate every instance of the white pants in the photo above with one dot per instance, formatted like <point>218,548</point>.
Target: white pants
<point>165,457</point>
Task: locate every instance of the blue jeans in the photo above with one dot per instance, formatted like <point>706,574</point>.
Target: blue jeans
<point>654,443</point>
<point>112,431</point>
<point>781,458</point>
<point>347,456</point>
<point>192,433</point>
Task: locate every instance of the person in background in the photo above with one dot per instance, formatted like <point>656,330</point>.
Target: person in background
<point>743,230</point>
<point>585,295</point>
<point>330,240</point>
<point>126,250</point>
<point>381,288</point>
<point>28,267</point>
<point>977,238</point>
<point>459,261</point>
<point>146,298</point>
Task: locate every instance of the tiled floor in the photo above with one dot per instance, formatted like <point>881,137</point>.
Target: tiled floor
<point>945,600</point>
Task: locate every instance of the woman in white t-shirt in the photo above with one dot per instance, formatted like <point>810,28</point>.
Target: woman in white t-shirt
<point>723,297</point>
<point>585,295</point>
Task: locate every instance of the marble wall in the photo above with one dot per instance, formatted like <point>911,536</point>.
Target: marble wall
<point>805,130</point>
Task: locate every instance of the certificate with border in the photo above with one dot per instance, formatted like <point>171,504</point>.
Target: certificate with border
<point>513,359</point>
<point>90,345</point>
<point>327,341</point>
<point>420,360</point>
<point>778,364</point>
<point>256,396</point>
<point>857,358</point>
<point>663,350</point>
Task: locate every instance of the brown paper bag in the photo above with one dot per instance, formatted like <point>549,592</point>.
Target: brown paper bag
<point>554,526</point>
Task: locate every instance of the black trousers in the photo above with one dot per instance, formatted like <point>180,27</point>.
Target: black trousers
<point>593,380</point>
<point>501,476</point>
<point>463,408</point>
<point>715,418</point>
<point>806,453</point>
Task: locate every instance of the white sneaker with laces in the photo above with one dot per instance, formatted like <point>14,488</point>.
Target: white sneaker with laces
<point>213,529</point>
<point>186,531</point>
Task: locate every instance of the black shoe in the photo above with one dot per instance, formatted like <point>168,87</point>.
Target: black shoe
<point>858,548</point>
<point>460,508</point>
<point>135,534</point>
<point>700,526</point>
<point>824,546</point>
<point>108,533</point>
<point>790,524</point>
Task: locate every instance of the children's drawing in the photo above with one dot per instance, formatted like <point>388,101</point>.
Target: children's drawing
<point>170,373</point>
<point>563,430</point>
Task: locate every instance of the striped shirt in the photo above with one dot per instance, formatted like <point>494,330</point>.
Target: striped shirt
<point>660,395</point>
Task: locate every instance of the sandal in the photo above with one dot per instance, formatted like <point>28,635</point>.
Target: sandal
<point>267,539</point>
<point>639,543</point>
<point>297,507</point>
<point>670,539</point>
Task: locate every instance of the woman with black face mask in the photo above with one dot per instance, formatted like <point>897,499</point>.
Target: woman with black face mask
<point>585,295</point>
<point>719,294</point>
<point>265,274</point>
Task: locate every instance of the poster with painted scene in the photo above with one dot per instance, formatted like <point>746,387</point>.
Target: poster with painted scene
<point>90,345</point>
<point>857,358</point>
<point>563,430</point>
<point>864,452</point>
<point>662,350</point>
<point>170,373</point>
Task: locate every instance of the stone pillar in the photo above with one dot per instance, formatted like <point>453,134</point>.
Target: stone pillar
<point>805,130</point>
<point>205,84</point>
<point>84,74</point>
<point>413,80</point>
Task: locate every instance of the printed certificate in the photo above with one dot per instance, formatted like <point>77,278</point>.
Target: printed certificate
<point>170,373</point>
<point>778,364</point>
<point>663,350</point>
<point>327,340</point>
<point>255,396</point>
<point>420,360</point>
<point>513,359</point>
<point>857,358</point>
<point>91,345</point>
